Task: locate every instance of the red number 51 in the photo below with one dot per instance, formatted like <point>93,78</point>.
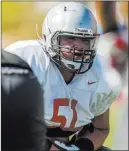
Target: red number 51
<point>60,118</point>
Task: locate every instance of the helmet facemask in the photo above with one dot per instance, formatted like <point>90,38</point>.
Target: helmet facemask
<point>80,59</point>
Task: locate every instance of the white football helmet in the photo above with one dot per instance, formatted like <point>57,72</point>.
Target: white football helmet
<point>70,19</point>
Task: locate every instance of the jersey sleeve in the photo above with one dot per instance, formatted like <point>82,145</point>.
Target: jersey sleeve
<point>31,52</point>
<point>107,91</point>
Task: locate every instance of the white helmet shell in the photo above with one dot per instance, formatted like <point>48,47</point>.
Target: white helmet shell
<point>68,17</point>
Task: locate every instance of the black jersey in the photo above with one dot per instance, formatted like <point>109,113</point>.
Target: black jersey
<point>22,110</point>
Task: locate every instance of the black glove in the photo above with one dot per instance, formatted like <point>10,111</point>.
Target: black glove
<point>84,144</point>
<point>60,145</point>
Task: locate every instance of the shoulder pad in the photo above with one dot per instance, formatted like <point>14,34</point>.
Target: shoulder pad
<point>8,59</point>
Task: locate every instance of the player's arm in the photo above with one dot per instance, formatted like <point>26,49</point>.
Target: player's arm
<point>89,138</point>
<point>100,131</point>
<point>94,137</point>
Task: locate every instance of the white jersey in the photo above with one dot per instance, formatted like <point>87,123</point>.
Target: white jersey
<point>75,104</point>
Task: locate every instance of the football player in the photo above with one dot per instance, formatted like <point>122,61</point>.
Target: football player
<point>22,118</point>
<point>76,80</point>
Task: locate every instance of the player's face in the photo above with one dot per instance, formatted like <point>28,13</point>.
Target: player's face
<point>72,45</point>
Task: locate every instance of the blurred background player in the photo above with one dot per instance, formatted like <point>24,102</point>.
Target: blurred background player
<point>113,17</point>
<point>22,108</point>
<point>113,43</point>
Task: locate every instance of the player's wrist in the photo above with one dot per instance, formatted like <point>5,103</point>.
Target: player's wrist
<point>82,143</point>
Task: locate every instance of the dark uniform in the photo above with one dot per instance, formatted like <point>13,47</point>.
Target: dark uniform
<point>22,124</point>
